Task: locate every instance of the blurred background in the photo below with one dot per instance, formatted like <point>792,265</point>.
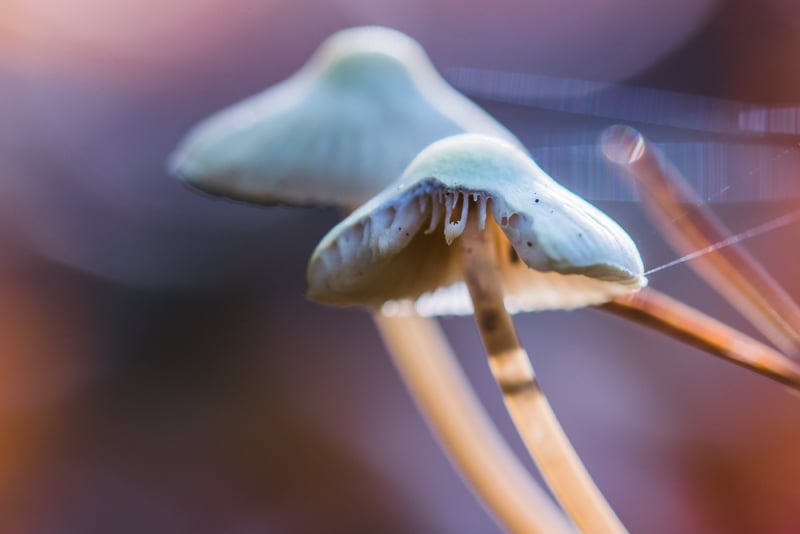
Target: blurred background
<point>160,370</point>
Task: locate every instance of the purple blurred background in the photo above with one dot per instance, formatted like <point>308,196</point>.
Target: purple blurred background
<point>160,370</point>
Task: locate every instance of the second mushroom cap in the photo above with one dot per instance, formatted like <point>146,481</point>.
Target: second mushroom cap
<point>336,132</point>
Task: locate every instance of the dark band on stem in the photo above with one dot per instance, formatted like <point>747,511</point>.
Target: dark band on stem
<point>517,387</point>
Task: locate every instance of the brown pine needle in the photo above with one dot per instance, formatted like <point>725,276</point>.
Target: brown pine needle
<point>689,225</point>
<point>658,311</point>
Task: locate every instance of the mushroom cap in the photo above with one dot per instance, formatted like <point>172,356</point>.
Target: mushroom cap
<point>558,251</point>
<point>337,132</point>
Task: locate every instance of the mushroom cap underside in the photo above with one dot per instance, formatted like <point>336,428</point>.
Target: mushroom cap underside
<point>554,249</point>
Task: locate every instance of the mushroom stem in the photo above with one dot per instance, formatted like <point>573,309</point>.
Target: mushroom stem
<point>658,311</point>
<point>442,393</point>
<point>525,401</point>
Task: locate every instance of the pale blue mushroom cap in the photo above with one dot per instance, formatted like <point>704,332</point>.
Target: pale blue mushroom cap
<point>337,132</point>
<point>555,250</point>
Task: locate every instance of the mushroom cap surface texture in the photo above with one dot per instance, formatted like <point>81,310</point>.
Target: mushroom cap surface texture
<point>335,133</point>
<point>555,250</point>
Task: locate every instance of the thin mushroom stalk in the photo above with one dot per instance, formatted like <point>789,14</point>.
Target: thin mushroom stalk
<point>433,376</point>
<point>531,412</point>
<point>436,383</point>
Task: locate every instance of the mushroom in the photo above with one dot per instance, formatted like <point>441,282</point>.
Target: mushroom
<point>336,133</point>
<point>526,243</point>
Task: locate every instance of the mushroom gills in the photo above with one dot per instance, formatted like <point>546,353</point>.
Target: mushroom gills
<point>369,262</point>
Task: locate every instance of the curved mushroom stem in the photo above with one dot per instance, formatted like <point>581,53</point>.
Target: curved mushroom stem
<point>432,374</point>
<point>529,409</point>
<point>658,311</point>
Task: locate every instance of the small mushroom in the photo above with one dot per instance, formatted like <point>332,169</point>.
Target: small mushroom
<point>526,243</point>
<point>335,133</point>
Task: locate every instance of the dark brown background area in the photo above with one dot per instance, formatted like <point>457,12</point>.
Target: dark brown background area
<point>160,370</point>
